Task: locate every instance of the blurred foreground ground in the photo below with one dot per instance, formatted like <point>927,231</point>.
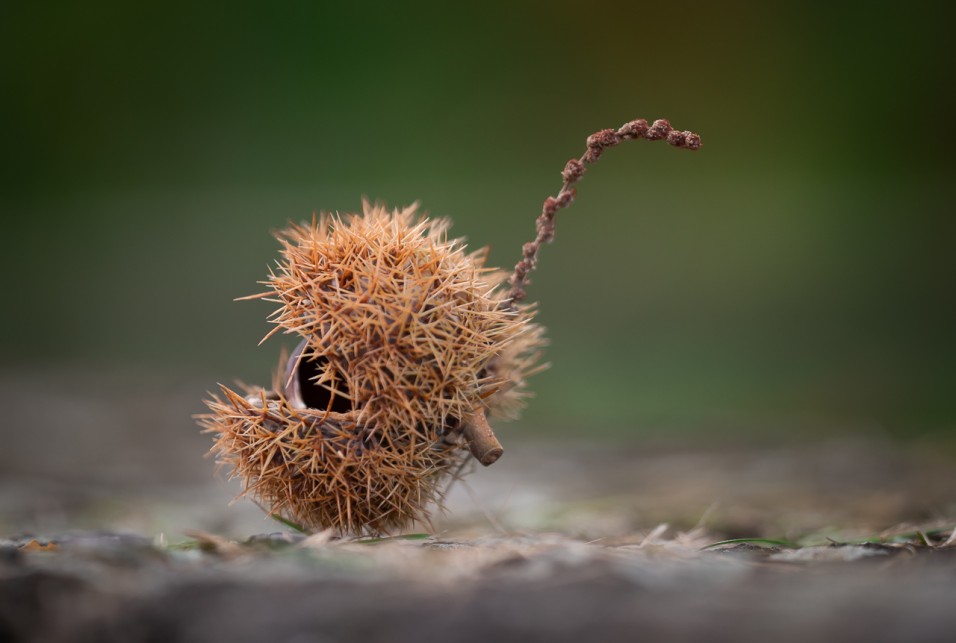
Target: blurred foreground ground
<point>101,500</point>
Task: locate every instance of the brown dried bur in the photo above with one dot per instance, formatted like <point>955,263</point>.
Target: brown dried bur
<point>408,344</point>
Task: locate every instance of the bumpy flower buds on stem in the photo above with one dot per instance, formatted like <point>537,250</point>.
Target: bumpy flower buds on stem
<point>597,143</point>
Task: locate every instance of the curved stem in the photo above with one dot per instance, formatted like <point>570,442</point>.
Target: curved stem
<point>573,171</point>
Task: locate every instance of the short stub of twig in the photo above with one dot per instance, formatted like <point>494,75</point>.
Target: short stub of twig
<point>481,438</point>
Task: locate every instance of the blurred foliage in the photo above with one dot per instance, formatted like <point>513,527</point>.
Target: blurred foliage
<point>796,274</point>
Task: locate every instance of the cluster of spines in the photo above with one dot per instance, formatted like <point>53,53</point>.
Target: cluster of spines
<point>321,470</point>
<point>402,320</point>
<point>410,331</point>
<point>416,335</point>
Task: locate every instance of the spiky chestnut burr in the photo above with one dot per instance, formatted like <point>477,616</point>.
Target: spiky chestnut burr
<point>408,344</point>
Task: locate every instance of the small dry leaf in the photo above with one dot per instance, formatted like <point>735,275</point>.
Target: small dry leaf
<point>215,544</point>
<point>35,545</point>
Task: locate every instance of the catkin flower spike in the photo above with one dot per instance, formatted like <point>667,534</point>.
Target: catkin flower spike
<point>408,345</point>
<point>573,171</point>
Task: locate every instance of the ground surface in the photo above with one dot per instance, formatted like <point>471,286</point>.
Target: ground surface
<point>533,587</point>
<point>566,546</point>
<point>113,535</point>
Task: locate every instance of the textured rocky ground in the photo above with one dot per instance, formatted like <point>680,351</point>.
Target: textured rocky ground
<point>112,528</point>
<point>529,587</point>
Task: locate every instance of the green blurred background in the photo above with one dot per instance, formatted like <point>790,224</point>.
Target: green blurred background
<point>795,276</point>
